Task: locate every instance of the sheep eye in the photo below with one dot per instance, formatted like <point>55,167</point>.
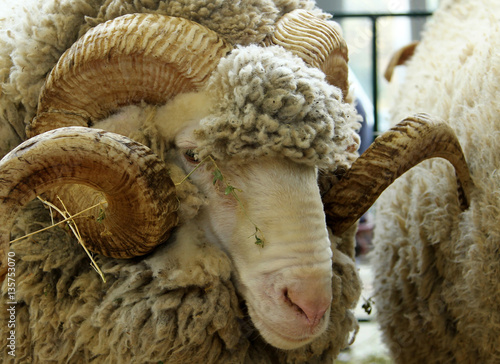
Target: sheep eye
<point>191,156</point>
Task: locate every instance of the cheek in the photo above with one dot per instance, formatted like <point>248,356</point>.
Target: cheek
<point>225,195</point>
<point>223,213</point>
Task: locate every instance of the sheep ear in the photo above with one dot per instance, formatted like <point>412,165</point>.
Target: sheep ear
<point>399,58</point>
<point>410,142</point>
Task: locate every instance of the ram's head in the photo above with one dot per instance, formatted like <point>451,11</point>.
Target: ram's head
<point>264,118</point>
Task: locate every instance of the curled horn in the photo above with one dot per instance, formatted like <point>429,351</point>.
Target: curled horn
<point>133,58</point>
<point>140,201</point>
<point>410,142</point>
<point>318,42</point>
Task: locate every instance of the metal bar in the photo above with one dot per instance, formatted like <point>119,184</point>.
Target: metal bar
<point>374,75</point>
<point>379,15</point>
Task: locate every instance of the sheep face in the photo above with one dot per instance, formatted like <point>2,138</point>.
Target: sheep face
<point>287,282</point>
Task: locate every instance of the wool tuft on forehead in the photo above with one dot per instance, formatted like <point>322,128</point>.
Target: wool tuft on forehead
<point>268,102</point>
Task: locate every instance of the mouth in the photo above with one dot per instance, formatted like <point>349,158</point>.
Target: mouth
<point>286,335</point>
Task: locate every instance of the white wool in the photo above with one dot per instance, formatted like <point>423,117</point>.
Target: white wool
<point>189,244</point>
<point>184,109</point>
<point>268,102</point>
<point>126,121</point>
<point>437,268</point>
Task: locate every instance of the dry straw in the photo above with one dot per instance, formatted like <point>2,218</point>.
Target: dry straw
<point>69,219</point>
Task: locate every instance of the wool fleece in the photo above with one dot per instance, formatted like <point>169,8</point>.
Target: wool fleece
<point>437,268</point>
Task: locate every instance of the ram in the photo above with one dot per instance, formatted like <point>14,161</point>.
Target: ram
<point>220,158</point>
<point>437,267</point>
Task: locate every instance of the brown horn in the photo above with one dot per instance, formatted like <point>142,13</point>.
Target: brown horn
<point>410,142</point>
<point>133,58</point>
<point>318,42</point>
<point>140,201</point>
<point>400,57</point>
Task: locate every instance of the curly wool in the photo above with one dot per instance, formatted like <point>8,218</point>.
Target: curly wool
<point>238,22</point>
<point>30,45</point>
<point>287,6</point>
<point>438,268</point>
<point>268,102</point>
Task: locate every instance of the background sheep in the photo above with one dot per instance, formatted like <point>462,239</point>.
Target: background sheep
<point>437,269</point>
<point>182,294</point>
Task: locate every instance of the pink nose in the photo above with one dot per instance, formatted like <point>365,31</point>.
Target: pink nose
<point>312,300</point>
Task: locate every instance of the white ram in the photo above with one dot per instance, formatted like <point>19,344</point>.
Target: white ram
<point>437,268</point>
<point>198,279</point>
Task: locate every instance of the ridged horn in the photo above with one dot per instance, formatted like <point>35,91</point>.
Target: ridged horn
<point>410,142</point>
<point>140,201</point>
<point>318,42</point>
<point>128,60</point>
<point>133,58</point>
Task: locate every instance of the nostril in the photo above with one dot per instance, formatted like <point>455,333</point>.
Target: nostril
<point>311,305</point>
<point>287,298</point>
<point>292,303</point>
